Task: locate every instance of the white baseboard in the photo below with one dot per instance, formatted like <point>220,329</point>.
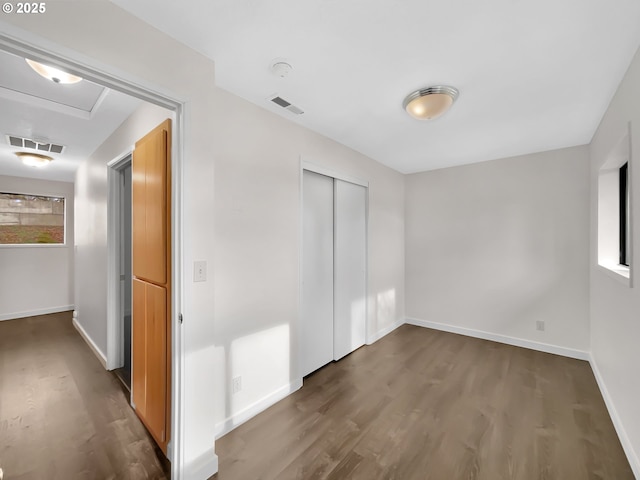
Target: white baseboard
<point>566,352</point>
<point>204,467</point>
<point>385,331</point>
<point>517,342</point>
<point>98,353</point>
<point>33,313</point>
<point>259,406</point>
<point>255,408</point>
<point>615,418</point>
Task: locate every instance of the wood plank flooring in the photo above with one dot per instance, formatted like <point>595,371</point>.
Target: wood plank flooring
<point>62,416</point>
<point>429,405</point>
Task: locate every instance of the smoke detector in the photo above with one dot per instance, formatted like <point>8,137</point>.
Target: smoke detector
<point>280,68</point>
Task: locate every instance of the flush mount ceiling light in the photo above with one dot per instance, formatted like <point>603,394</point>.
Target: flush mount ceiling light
<point>53,74</point>
<point>430,102</point>
<point>34,159</point>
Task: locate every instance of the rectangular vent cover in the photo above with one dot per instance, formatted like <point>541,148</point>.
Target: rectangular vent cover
<point>278,100</point>
<point>22,142</point>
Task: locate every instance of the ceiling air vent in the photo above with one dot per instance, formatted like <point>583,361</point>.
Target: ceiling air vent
<point>41,146</point>
<point>278,100</point>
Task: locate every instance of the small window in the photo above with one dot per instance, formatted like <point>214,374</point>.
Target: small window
<point>31,219</point>
<point>614,219</point>
<point>624,214</point>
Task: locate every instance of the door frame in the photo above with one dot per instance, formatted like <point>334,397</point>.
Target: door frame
<point>40,50</point>
<point>115,333</point>
<point>314,167</point>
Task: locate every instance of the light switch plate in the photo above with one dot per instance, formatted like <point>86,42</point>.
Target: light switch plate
<point>200,271</point>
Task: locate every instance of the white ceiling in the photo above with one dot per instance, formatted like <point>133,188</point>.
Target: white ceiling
<point>532,75</point>
<point>79,116</point>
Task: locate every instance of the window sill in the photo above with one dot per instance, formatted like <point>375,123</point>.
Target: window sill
<point>33,245</point>
<point>618,272</point>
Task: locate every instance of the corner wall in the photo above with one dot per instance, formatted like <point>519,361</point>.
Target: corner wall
<point>258,246</point>
<point>615,307</point>
<point>46,269</point>
<point>494,247</point>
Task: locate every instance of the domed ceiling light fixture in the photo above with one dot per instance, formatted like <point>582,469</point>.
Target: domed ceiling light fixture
<point>53,74</point>
<point>34,159</point>
<point>430,102</point>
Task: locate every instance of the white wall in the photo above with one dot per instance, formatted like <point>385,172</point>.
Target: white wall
<point>258,239</point>
<point>128,48</point>
<point>91,221</point>
<point>45,269</point>
<point>255,272</point>
<point>496,246</point>
<point>615,307</point>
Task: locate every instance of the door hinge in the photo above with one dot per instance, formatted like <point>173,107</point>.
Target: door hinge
<point>180,318</point>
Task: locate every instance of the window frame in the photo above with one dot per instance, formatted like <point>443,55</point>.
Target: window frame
<point>64,221</point>
<point>614,252</point>
<point>623,209</point>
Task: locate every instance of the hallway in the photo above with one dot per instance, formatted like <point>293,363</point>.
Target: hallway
<point>61,414</point>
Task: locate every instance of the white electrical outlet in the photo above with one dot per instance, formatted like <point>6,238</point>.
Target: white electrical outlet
<point>540,325</point>
<point>236,384</point>
<point>200,271</point>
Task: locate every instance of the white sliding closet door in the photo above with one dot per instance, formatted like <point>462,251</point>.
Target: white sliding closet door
<point>350,260</point>
<point>317,272</point>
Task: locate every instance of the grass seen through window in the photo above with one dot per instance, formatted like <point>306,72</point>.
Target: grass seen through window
<point>31,219</point>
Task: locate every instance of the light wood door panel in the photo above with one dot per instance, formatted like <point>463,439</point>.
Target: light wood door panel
<point>150,207</point>
<point>151,373</point>
<point>139,214</point>
<point>156,217</point>
<point>156,379</point>
<point>149,357</point>
<point>139,347</point>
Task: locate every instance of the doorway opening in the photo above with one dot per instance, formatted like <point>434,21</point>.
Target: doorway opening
<point>117,287</point>
<point>121,186</point>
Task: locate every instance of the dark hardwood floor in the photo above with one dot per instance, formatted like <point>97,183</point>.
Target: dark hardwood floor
<point>62,416</point>
<point>423,404</point>
<point>418,404</point>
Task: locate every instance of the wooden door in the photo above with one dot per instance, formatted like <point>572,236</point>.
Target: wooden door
<point>151,330</point>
